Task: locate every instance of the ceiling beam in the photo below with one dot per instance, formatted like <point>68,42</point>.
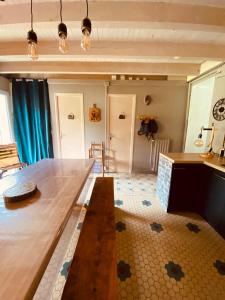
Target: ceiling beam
<point>123,49</point>
<point>160,14</point>
<point>100,68</point>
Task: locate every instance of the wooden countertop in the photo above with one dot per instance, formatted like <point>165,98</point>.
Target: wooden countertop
<point>29,230</point>
<point>195,158</point>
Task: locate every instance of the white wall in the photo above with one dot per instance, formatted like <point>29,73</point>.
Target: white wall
<point>219,92</point>
<point>168,106</point>
<point>201,96</point>
<point>5,87</point>
<point>4,84</point>
<point>214,91</point>
<point>93,92</point>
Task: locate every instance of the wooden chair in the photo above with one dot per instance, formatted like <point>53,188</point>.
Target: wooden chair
<point>9,158</point>
<point>97,151</point>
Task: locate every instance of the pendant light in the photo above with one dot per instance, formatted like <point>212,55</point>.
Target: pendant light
<point>32,38</point>
<point>86,32</point>
<point>62,31</point>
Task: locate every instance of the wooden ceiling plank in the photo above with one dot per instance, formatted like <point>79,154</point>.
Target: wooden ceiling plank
<point>122,49</point>
<point>100,68</point>
<point>113,11</point>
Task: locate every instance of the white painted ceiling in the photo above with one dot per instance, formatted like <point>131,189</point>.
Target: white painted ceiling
<point>218,3</point>
<point>115,32</point>
<point>48,31</point>
<point>105,58</point>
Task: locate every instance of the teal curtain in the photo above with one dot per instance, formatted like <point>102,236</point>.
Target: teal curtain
<point>32,120</point>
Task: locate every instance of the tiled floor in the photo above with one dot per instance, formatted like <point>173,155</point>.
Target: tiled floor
<point>52,282</point>
<point>160,255</point>
<point>54,278</point>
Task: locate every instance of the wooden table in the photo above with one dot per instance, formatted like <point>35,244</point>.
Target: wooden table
<point>29,230</point>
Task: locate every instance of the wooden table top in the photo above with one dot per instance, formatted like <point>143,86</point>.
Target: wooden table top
<point>29,230</point>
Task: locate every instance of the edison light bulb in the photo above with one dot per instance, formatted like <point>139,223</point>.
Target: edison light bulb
<point>63,44</point>
<point>32,50</point>
<point>86,40</point>
<point>199,142</point>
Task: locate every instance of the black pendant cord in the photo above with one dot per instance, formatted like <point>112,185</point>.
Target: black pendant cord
<point>61,10</point>
<point>87,7</point>
<point>31,14</point>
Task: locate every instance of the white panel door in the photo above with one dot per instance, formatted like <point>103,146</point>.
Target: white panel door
<point>71,125</point>
<point>121,132</point>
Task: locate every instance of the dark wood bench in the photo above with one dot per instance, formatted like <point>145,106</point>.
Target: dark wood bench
<point>92,274</point>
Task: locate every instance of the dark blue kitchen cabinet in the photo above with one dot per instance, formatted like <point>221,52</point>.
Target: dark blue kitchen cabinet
<point>213,208</point>
<point>186,191</point>
<point>194,187</point>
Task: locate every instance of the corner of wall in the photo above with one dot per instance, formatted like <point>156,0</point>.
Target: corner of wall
<point>4,84</point>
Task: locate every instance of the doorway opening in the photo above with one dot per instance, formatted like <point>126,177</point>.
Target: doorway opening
<point>201,97</point>
<point>5,125</point>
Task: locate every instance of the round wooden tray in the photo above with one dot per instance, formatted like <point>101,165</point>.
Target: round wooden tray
<point>20,192</point>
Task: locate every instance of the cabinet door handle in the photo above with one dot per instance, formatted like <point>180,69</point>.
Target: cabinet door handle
<point>180,169</point>
<point>219,176</point>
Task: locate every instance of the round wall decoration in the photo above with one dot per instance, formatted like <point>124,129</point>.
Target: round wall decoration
<point>219,110</point>
<point>147,99</point>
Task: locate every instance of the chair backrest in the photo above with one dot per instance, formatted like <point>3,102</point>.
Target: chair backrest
<point>97,151</point>
<point>8,156</point>
<point>97,148</point>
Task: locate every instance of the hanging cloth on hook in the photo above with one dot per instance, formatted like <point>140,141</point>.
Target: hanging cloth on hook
<point>148,128</point>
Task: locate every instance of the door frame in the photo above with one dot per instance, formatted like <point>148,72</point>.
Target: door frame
<point>9,108</point>
<point>56,95</point>
<point>133,96</point>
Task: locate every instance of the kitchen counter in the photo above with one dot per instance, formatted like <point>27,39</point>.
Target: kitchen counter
<point>189,182</point>
<point>195,158</point>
